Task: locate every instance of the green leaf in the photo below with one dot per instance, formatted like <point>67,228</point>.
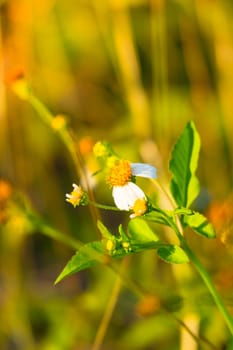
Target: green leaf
<point>158,216</point>
<point>181,211</point>
<point>135,247</point>
<point>93,253</point>
<point>172,254</point>
<point>140,231</point>
<point>183,164</point>
<point>200,225</point>
<point>87,256</point>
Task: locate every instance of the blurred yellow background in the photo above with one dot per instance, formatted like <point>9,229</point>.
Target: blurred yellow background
<point>132,72</point>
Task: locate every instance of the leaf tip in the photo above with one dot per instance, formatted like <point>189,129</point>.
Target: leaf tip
<point>58,279</point>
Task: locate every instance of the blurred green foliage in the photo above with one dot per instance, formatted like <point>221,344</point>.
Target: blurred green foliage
<point>132,72</point>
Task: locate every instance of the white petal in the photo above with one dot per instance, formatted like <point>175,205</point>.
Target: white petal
<point>134,192</point>
<point>125,196</point>
<point>118,193</point>
<point>143,170</point>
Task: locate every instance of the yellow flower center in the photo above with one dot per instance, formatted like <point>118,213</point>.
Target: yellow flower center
<point>76,196</point>
<point>140,207</point>
<point>120,173</point>
<point>110,245</point>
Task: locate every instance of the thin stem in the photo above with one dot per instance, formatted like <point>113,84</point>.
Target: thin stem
<point>103,206</point>
<point>109,310</point>
<point>198,339</point>
<point>47,117</point>
<point>209,284</point>
<point>59,236</point>
<point>170,200</point>
<point>160,188</point>
<point>69,143</point>
<point>52,232</point>
<point>205,277</point>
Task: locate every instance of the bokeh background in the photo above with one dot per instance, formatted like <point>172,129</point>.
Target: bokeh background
<point>132,72</point>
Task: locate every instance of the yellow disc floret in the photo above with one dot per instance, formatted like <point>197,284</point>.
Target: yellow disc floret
<point>77,196</point>
<point>110,245</point>
<point>140,207</point>
<point>120,173</point>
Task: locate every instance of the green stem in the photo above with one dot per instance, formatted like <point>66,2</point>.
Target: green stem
<point>68,141</point>
<point>51,232</point>
<point>110,306</point>
<point>205,277</point>
<point>209,284</point>
<point>47,117</point>
<point>102,206</point>
<point>59,236</point>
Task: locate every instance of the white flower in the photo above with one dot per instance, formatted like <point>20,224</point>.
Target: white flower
<point>125,192</point>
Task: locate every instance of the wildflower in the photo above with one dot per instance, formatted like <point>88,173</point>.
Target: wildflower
<point>77,196</point>
<point>121,176</point>
<point>102,149</point>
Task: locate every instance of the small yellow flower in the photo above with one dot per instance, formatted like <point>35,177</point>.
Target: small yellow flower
<point>100,150</point>
<point>121,176</point>
<point>77,196</point>
<point>139,208</point>
<point>110,245</point>
<point>58,122</point>
<point>126,246</point>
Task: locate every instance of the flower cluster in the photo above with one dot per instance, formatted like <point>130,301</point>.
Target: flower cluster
<point>121,176</point>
